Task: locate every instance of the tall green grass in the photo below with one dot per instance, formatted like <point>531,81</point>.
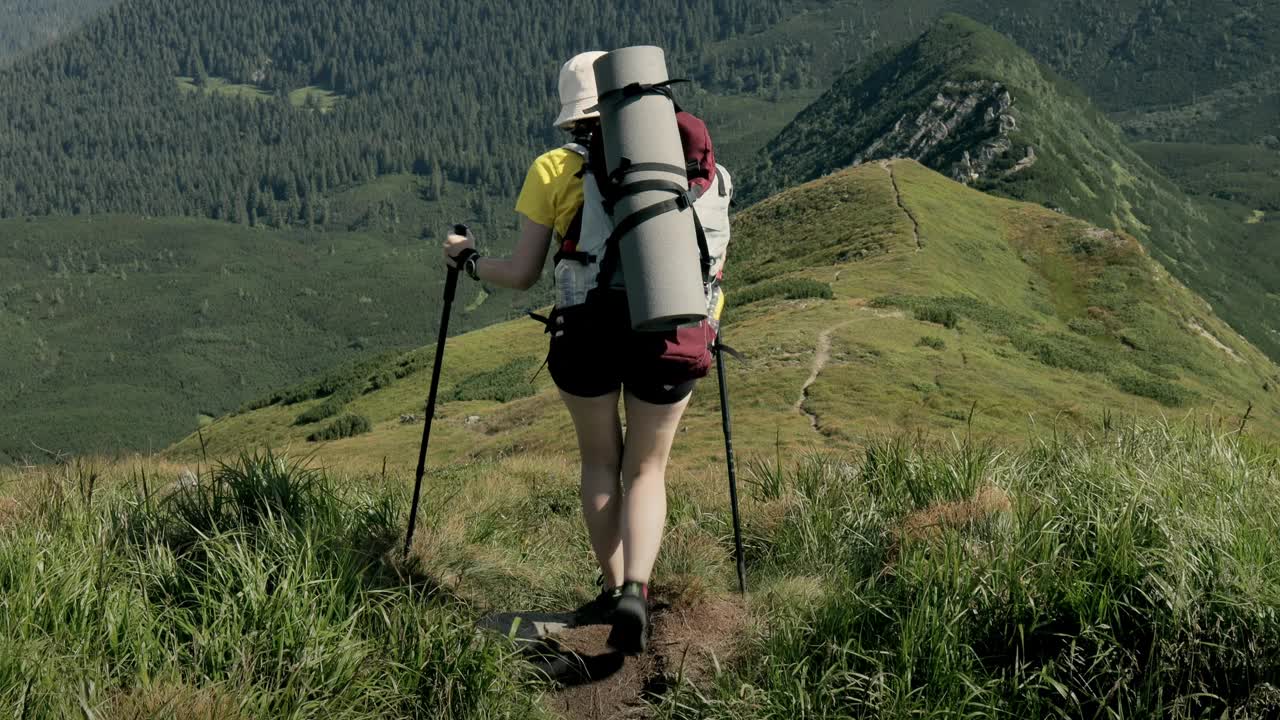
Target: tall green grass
<point>1135,575</point>
<point>257,590</point>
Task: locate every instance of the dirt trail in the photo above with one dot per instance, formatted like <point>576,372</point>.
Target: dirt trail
<point>690,638</point>
<point>1196,327</point>
<point>897,192</point>
<point>821,358</point>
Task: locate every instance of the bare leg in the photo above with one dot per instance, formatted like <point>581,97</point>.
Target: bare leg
<point>600,445</point>
<point>651,430</point>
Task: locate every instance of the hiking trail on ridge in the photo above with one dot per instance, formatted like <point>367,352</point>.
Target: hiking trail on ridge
<point>897,194</point>
<point>821,357</point>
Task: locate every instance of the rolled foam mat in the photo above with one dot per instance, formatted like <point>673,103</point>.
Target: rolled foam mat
<point>659,257</point>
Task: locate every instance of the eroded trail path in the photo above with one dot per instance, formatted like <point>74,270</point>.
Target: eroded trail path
<point>691,637</point>
<point>821,358</point>
<point>897,194</point>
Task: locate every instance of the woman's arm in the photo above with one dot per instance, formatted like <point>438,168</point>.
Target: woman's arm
<point>521,270</point>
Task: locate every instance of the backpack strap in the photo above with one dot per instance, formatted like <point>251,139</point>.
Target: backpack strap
<point>626,167</point>
<point>635,89</point>
<point>684,200</point>
<point>579,149</point>
<point>641,186</point>
<point>569,242</point>
<point>704,251</point>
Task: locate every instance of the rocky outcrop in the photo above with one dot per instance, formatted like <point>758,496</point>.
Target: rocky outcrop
<point>963,133</point>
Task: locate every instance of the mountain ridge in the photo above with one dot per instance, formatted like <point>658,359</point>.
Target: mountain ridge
<point>869,321</point>
<point>1036,138</point>
<point>752,91</point>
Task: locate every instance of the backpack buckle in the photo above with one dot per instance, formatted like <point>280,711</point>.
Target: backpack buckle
<point>686,199</point>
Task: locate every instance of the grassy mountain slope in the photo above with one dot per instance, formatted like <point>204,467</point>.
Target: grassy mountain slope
<point>229,157</point>
<point>944,95</point>
<point>947,306</point>
<point>125,344</point>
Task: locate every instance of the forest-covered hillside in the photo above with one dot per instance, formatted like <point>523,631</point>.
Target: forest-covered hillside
<point>26,24</point>
<point>106,121</point>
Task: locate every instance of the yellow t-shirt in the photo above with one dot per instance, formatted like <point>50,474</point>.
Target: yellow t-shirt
<point>552,191</point>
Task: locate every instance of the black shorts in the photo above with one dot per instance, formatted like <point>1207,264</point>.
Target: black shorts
<point>595,352</point>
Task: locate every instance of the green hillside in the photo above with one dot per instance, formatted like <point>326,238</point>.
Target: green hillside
<point>1130,55</point>
<point>129,343</point>
<point>956,498</point>
<point>948,310</point>
<point>964,99</point>
<point>219,113</point>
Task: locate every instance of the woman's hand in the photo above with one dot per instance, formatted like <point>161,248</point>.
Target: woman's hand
<point>518,272</point>
<point>454,245</point>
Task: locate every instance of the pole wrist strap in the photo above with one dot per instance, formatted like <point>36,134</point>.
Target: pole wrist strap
<point>467,261</point>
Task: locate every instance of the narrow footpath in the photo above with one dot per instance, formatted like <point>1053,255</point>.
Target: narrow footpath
<point>897,193</point>
<point>821,357</point>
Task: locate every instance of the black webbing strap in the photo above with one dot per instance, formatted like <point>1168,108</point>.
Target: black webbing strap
<point>683,201</point>
<point>704,252</point>
<point>635,219</point>
<point>725,348</point>
<point>720,181</point>
<point>609,264</point>
<point>626,167</point>
<point>573,234</point>
<point>635,89</point>
<point>640,186</point>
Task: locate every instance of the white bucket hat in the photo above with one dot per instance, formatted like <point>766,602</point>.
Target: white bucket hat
<point>578,89</point>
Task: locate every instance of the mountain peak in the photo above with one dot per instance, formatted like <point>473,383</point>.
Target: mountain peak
<point>964,100</point>
<point>944,100</point>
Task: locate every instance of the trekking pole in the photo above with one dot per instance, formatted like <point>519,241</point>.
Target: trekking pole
<point>450,288</point>
<point>733,473</point>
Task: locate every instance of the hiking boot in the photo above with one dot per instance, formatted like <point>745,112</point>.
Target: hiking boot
<point>600,610</point>
<point>630,632</point>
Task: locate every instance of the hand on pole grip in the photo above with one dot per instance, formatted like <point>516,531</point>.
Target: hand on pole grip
<point>457,245</point>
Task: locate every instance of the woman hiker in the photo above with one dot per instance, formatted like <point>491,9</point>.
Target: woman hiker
<point>594,359</point>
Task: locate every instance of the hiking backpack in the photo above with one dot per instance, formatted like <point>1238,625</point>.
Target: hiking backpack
<point>590,241</point>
